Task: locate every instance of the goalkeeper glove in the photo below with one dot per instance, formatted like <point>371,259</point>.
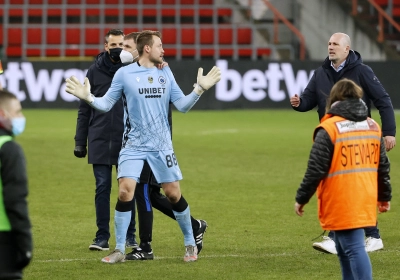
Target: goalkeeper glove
<point>206,82</point>
<point>74,87</point>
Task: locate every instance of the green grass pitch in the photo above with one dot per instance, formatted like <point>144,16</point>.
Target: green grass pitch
<point>241,171</point>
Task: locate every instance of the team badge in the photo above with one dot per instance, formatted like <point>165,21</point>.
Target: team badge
<point>150,79</point>
<point>137,79</point>
<point>161,80</point>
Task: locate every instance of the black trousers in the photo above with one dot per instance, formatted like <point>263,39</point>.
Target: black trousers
<point>9,258</point>
<point>148,196</point>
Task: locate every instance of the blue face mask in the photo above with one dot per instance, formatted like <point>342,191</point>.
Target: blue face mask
<point>18,125</point>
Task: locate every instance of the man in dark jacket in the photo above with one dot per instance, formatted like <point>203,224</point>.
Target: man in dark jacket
<point>103,134</point>
<point>15,226</point>
<point>342,62</point>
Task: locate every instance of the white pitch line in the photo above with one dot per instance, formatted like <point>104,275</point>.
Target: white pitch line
<point>165,258</point>
<point>214,256</point>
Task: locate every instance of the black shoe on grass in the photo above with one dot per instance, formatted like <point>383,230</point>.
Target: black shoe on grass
<point>199,235</point>
<point>139,255</point>
<point>99,245</point>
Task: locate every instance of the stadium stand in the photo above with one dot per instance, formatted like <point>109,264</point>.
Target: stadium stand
<point>190,28</point>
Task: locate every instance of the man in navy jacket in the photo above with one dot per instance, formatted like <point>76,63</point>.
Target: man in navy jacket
<point>342,62</point>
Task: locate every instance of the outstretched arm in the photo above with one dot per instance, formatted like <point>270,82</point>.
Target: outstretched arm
<point>103,104</point>
<point>185,103</point>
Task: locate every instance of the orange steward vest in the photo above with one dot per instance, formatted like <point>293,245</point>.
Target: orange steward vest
<point>347,196</point>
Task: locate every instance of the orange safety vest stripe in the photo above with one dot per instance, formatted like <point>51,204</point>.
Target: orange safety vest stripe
<point>347,196</point>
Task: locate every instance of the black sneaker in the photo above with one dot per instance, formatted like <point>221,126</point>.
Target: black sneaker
<point>131,243</point>
<point>199,235</point>
<point>99,245</point>
<point>139,255</point>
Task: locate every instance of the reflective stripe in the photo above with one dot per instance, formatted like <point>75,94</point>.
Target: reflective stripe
<point>4,221</point>
<point>357,138</point>
<point>353,171</point>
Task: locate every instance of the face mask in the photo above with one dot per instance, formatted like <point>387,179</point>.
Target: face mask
<point>126,57</point>
<point>18,125</point>
<point>114,54</point>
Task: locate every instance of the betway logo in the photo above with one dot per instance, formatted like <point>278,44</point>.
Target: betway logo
<point>256,85</point>
<point>45,86</point>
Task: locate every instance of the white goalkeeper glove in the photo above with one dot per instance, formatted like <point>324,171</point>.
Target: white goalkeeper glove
<point>206,82</point>
<point>74,87</point>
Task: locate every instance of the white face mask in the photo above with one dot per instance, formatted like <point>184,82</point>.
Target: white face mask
<point>126,57</point>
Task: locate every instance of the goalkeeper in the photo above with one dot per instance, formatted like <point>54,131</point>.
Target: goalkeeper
<point>146,92</point>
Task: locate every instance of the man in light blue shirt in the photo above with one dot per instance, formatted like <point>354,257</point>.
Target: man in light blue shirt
<point>146,92</point>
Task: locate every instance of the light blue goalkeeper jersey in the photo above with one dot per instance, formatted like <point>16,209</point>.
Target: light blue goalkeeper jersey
<point>146,94</point>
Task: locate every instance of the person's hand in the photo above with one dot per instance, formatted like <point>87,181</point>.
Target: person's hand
<point>298,208</point>
<point>162,65</point>
<point>74,87</point>
<point>80,151</point>
<point>206,82</point>
<point>295,101</point>
<point>383,206</point>
<point>390,142</point>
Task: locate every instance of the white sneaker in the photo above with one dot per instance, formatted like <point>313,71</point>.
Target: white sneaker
<point>114,257</point>
<point>373,244</point>
<point>190,254</point>
<point>327,245</point>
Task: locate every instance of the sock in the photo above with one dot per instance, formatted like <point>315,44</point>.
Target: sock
<point>183,219</point>
<point>145,246</point>
<point>121,222</point>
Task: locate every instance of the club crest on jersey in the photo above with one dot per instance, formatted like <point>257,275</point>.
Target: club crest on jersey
<point>150,79</point>
<point>161,80</point>
<point>137,79</point>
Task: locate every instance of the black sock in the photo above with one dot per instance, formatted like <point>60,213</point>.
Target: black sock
<point>123,206</point>
<point>181,205</point>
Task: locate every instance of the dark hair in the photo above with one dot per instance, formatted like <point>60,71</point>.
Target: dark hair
<point>146,38</point>
<point>5,97</point>
<point>342,90</point>
<point>115,32</point>
<point>132,35</point>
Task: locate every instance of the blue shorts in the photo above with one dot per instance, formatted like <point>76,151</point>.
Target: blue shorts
<point>163,164</point>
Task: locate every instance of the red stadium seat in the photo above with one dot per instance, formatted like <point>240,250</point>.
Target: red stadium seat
<point>14,37</point>
<point>53,36</point>
<point>207,36</point>
<point>14,2</point>
<point>168,36</point>
<point>53,52</point>
<point>188,52</point>
<point>244,36</point>
<point>72,52</point>
<point>226,52</point>
<point>55,2</point>
<point>33,2</point>
<point>264,52</point>
<point>225,36</point>
<point>14,51</point>
<point>33,52</point>
<point>71,2</point>
<point>34,36</point>
<point>92,36</point>
<point>207,52</point>
<point>188,36</point>
<point>92,52</point>
<point>73,36</point>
